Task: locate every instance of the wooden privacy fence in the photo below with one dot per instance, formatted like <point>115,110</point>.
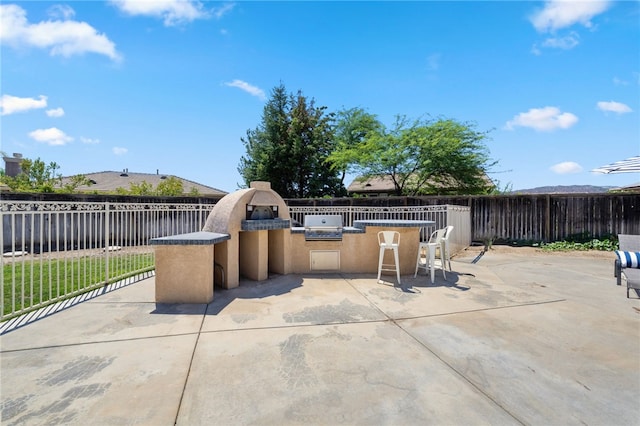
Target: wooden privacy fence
<point>554,217</point>
<point>530,217</point>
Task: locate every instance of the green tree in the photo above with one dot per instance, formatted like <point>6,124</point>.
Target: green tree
<point>142,188</point>
<point>74,182</point>
<point>171,186</point>
<point>36,176</point>
<point>290,146</point>
<point>353,126</point>
<point>425,157</point>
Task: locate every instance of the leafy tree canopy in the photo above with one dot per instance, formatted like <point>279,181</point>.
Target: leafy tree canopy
<point>353,126</point>
<point>36,176</point>
<point>422,157</point>
<point>290,146</point>
<point>171,187</point>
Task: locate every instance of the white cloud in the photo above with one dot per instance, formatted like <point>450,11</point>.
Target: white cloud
<point>536,50</point>
<point>219,12</point>
<point>566,43</point>
<point>60,11</point>
<point>620,82</point>
<point>543,119</point>
<point>89,141</point>
<point>252,90</point>
<point>12,104</point>
<point>62,37</point>
<point>55,112</point>
<point>172,12</point>
<point>558,14</point>
<point>51,136</point>
<point>433,62</point>
<point>119,150</point>
<point>612,106</point>
<point>566,168</point>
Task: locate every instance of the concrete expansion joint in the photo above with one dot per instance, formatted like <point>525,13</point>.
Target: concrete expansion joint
<point>193,354</point>
<point>460,373</point>
<point>470,311</point>
<point>99,342</point>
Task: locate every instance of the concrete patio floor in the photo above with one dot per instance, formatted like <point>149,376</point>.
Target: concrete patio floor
<point>506,339</point>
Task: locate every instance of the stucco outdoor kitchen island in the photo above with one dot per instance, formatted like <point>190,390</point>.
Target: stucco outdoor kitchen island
<point>252,234</point>
<point>185,267</point>
<point>358,250</point>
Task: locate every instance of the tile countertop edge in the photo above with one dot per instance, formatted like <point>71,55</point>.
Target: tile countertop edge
<point>362,224</point>
<point>193,238</point>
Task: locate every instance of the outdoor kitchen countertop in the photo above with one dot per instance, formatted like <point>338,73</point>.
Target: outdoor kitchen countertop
<point>394,223</point>
<point>192,238</point>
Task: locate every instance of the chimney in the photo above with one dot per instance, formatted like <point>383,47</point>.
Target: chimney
<point>12,167</point>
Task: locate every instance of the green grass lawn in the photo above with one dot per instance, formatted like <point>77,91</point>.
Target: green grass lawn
<point>36,283</point>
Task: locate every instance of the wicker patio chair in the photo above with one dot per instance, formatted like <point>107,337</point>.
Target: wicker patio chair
<point>625,267</point>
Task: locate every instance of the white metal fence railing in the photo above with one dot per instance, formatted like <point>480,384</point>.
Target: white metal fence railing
<point>54,250</point>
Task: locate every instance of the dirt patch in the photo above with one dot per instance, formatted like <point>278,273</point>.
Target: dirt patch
<point>536,251</point>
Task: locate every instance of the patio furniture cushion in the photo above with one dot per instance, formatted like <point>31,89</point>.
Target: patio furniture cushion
<point>628,259</point>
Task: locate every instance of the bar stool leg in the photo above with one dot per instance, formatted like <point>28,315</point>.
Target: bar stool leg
<point>395,255</point>
<point>432,261</point>
<point>380,258</point>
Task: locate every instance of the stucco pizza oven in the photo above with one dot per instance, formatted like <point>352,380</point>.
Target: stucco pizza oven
<point>258,223</point>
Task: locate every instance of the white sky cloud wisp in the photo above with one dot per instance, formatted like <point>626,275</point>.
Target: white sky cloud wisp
<point>12,104</point>
<point>89,141</point>
<point>219,12</point>
<point>172,12</point>
<point>567,42</point>
<point>55,112</point>
<point>117,150</point>
<point>433,61</point>
<point>558,14</point>
<point>52,136</point>
<point>62,37</point>
<point>60,11</point>
<point>612,106</point>
<point>567,167</point>
<point>543,119</point>
<point>250,89</point>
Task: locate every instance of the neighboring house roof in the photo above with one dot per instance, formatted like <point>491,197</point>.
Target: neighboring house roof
<point>110,181</point>
<point>632,187</point>
<point>382,185</point>
<point>374,185</point>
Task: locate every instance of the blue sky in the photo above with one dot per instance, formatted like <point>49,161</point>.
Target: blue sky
<point>173,85</point>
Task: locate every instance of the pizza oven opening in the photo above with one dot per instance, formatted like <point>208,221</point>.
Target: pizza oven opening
<point>254,212</point>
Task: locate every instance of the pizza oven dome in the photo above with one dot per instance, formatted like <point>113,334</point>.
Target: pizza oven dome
<point>255,208</point>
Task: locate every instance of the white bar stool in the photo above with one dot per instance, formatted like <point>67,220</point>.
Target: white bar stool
<point>389,240</point>
<point>431,247</point>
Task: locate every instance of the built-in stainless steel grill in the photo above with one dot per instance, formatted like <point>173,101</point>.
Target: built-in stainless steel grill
<point>323,228</point>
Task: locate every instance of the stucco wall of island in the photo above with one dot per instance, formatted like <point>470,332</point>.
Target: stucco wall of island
<point>185,267</point>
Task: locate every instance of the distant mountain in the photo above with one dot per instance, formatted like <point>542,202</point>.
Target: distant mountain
<point>568,189</point>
